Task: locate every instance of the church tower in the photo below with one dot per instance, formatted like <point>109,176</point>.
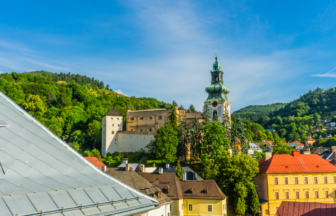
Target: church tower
<point>217,99</point>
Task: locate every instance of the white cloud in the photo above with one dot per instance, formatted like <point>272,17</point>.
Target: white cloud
<point>120,92</point>
<point>328,74</point>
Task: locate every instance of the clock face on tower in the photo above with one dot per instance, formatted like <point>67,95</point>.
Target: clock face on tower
<point>214,104</point>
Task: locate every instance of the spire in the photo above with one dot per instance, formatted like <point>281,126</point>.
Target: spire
<point>216,55</point>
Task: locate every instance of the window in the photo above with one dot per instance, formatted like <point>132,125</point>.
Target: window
<point>306,180</point>
<point>335,194</point>
<point>150,129</point>
<point>111,118</point>
<point>141,118</point>
<point>150,118</point>
<point>266,212</point>
<point>118,125</point>
<point>209,208</point>
<point>160,117</point>
<point>334,179</point>
<point>171,207</point>
<point>315,180</point>
<point>326,194</point>
<point>296,180</point>
<point>117,118</point>
<point>140,130</point>
<point>132,119</point>
<point>131,129</point>
<point>224,207</point>
<point>287,195</point>
<point>316,194</point>
<point>276,180</point>
<point>325,180</point>
<point>277,195</point>
<point>307,194</point>
<point>286,180</point>
<point>112,125</point>
<point>297,195</point>
<point>112,132</point>
<point>190,207</point>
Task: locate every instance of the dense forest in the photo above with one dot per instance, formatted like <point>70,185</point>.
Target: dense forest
<point>303,116</point>
<point>71,106</point>
<point>254,112</point>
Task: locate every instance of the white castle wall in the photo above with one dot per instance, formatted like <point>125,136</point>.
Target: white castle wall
<point>111,126</point>
<point>131,142</point>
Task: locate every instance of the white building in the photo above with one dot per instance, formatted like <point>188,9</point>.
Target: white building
<point>254,148</point>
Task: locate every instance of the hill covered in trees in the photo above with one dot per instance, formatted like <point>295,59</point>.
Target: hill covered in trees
<point>254,112</point>
<point>71,106</point>
<point>303,116</point>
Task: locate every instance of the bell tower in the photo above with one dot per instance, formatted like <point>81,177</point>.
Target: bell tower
<point>217,98</point>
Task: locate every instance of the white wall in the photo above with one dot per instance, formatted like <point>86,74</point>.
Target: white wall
<point>110,124</point>
<point>163,210</point>
<point>124,142</point>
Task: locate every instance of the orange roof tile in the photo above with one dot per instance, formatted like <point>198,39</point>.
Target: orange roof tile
<point>95,162</point>
<point>299,163</point>
<point>311,139</point>
<point>297,143</point>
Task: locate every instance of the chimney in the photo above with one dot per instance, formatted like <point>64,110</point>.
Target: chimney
<point>104,168</point>
<point>167,165</point>
<point>127,167</point>
<point>268,155</point>
<point>125,161</point>
<point>296,153</point>
<point>184,175</point>
<point>99,158</point>
<point>160,170</point>
<point>142,167</point>
<point>195,176</point>
<point>153,164</point>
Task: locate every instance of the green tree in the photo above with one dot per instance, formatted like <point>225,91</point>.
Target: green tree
<point>196,138</point>
<point>213,143</point>
<point>166,143</point>
<point>192,108</point>
<point>240,206</point>
<point>94,132</point>
<point>259,155</point>
<point>35,106</point>
<point>254,204</point>
<point>173,117</point>
<point>184,137</point>
<point>241,130</point>
<point>235,147</point>
<point>280,148</point>
<point>206,114</point>
<point>178,170</point>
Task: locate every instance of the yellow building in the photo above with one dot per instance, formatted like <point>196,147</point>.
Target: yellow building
<point>297,177</point>
<point>190,197</point>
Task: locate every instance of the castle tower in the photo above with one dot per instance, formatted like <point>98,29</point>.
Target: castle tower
<point>112,123</point>
<point>217,99</point>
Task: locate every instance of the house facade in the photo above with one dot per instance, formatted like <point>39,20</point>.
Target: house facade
<point>297,177</point>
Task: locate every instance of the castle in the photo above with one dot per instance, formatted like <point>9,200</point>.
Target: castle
<point>141,125</point>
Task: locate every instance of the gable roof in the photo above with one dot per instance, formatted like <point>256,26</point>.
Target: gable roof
<point>134,180</point>
<point>95,162</point>
<point>305,209</point>
<point>44,174</point>
<point>113,112</point>
<point>177,189</point>
<point>300,163</point>
<point>297,143</point>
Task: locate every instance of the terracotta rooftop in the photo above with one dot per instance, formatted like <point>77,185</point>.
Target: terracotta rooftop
<point>296,142</point>
<point>296,163</point>
<point>177,189</point>
<point>306,209</point>
<point>311,139</point>
<point>95,162</point>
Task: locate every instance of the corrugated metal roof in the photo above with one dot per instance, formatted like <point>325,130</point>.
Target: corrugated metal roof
<point>42,174</point>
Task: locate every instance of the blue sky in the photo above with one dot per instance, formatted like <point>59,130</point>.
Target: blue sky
<point>270,51</point>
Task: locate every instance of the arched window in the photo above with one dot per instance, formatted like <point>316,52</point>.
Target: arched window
<point>216,78</point>
<point>214,115</point>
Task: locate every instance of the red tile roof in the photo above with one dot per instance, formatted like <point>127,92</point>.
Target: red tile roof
<point>299,163</point>
<point>311,139</point>
<point>297,143</point>
<point>95,162</point>
<point>306,209</point>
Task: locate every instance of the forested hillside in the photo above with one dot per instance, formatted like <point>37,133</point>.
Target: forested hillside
<point>70,105</point>
<point>299,117</point>
<point>254,112</point>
